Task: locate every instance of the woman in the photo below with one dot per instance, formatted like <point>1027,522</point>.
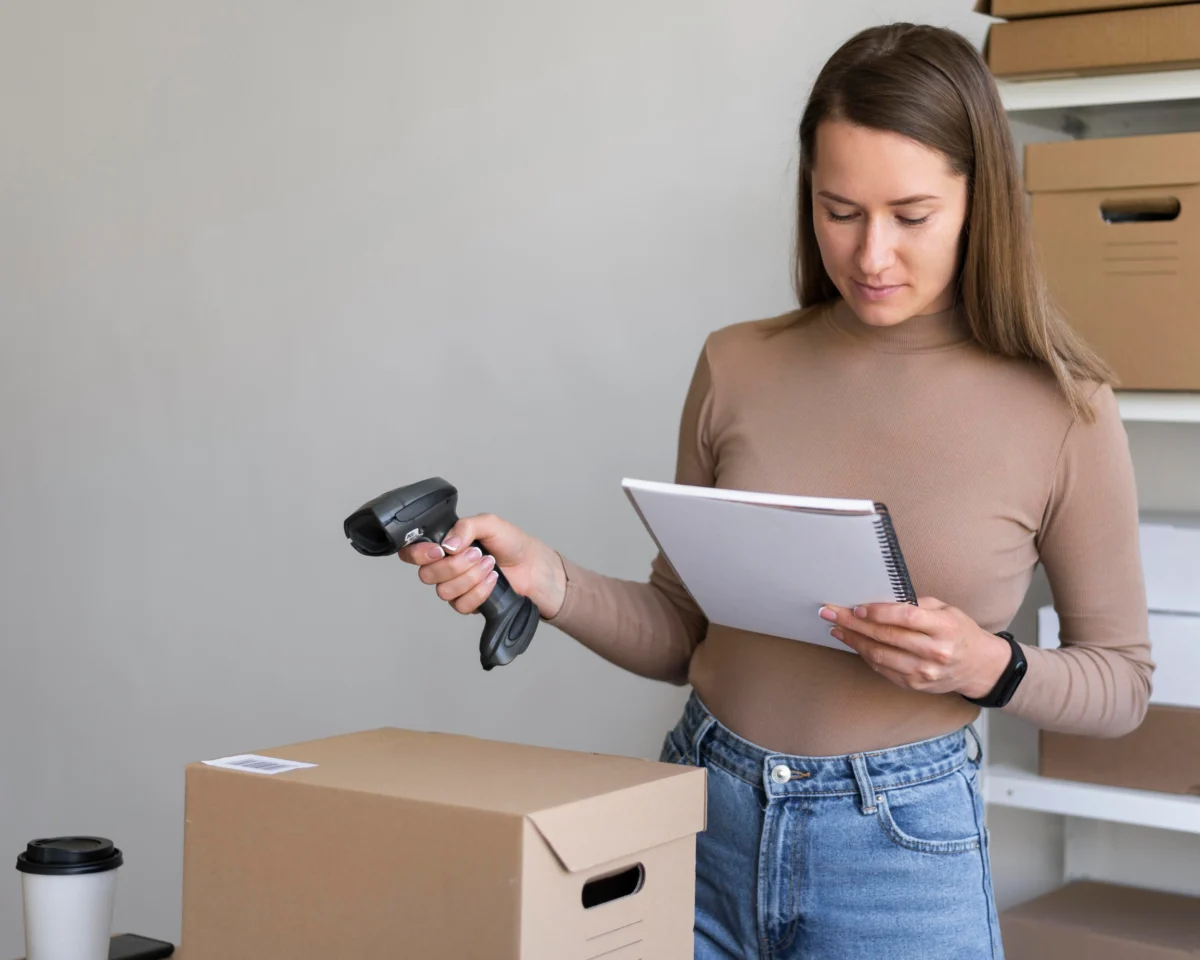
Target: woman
<point>925,368</point>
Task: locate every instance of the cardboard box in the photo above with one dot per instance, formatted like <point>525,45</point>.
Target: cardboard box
<point>1112,41</point>
<point>1020,9</point>
<point>1161,755</point>
<point>1174,647</point>
<point>1102,921</point>
<point>406,844</point>
<point>1116,226</point>
<point>1170,546</point>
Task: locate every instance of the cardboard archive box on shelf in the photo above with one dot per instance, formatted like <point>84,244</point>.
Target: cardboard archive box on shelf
<point>1163,754</point>
<point>398,843</point>
<point>1117,227</point>
<point>1020,9</point>
<point>1141,40</point>
<point>1102,921</point>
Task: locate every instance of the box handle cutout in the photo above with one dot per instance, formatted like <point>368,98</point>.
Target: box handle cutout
<point>613,886</point>
<point>1145,210</point>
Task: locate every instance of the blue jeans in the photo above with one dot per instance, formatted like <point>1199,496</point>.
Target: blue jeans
<point>856,857</point>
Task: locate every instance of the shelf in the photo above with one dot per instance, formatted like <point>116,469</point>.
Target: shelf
<point>1117,105</point>
<point>1160,87</point>
<point>1159,407</point>
<point>1008,786</point>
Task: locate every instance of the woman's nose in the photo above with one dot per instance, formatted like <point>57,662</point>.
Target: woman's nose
<point>876,252</point>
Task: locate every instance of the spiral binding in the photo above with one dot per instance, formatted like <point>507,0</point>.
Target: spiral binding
<point>897,569</point>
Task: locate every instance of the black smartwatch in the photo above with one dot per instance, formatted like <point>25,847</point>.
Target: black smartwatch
<point>1009,680</point>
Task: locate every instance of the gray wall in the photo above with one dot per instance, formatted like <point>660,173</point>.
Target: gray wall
<point>259,262</point>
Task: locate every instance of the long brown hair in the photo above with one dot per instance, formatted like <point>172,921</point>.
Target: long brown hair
<point>930,84</point>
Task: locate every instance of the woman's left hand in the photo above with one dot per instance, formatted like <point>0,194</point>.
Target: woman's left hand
<point>932,647</point>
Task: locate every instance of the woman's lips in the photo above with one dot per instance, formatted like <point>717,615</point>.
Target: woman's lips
<point>870,292</point>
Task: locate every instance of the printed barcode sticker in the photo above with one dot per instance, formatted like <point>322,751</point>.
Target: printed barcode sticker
<point>252,763</point>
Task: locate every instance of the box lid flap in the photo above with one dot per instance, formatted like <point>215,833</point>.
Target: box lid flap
<point>586,833</point>
<point>1168,159</point>
<point>463,771</point>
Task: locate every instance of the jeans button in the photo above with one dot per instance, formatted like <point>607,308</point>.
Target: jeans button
<point>781,773</point>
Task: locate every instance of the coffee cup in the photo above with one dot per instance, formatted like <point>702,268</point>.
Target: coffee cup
<point>69,886</point>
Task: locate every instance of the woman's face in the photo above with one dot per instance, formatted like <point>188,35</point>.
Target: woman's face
<point>888,214</point>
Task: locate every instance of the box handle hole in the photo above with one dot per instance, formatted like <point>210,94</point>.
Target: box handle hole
<point>613,886</point>
<point>1145,210</point>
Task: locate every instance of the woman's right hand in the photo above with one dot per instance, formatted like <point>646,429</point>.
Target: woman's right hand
<point>464,578</point>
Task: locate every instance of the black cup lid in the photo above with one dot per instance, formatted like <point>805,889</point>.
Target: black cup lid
<point>65,856</point>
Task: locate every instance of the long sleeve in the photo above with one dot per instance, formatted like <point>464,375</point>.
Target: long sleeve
<point>650,628</point>
<point>1098,682</point>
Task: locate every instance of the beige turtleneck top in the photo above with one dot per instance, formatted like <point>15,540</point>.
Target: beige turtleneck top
<point>985,473</point>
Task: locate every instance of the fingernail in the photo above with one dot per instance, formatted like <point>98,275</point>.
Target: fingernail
<point>836,634</point>
<point>435,552</point>
<point>474,553</point>
<point>827,614</point>
<point>451,544</point>
<point>860,612</point>
<point>488,562</point>
<point>491,577</point>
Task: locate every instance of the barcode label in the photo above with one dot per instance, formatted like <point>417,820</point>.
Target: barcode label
<point>252,763</point>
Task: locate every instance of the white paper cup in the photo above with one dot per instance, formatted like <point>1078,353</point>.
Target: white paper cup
<point>69,886</point>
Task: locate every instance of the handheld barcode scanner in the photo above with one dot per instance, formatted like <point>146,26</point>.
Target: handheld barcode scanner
<point>424,513</point>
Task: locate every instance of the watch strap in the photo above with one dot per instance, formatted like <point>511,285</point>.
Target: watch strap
<point>1009,680</point>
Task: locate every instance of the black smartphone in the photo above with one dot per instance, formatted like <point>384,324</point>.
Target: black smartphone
<point>130,946</point>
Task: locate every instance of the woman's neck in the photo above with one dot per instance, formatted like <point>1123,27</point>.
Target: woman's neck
<point>927,331</point>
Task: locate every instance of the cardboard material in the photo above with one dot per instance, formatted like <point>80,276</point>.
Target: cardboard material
<point>1117,236</point>
<point>1170,545</point>
<point>1102,921</point>
<point>407,844</point>
<point>1112,41</point>
<point>1161,755</point>
<point>1020,9</point>
<point>1174,648</point>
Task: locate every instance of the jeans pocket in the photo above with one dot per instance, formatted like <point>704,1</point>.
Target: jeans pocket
<point>938,816</point>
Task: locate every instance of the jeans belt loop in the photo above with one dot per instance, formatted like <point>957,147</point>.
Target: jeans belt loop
<point>978,760</point>
<point>705,726</point>
<point>862,777</point>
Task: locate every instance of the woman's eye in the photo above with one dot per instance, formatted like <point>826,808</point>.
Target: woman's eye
<point>847,217</point>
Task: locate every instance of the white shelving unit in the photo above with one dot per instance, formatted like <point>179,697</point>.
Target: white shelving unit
<point>1012,787</point>
<point>1167,102</point>
<point>1128,105</point>
<point>1108,91</point>
<point>1160,407</point>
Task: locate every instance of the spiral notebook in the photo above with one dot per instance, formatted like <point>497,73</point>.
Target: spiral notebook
<point>768,562</point>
